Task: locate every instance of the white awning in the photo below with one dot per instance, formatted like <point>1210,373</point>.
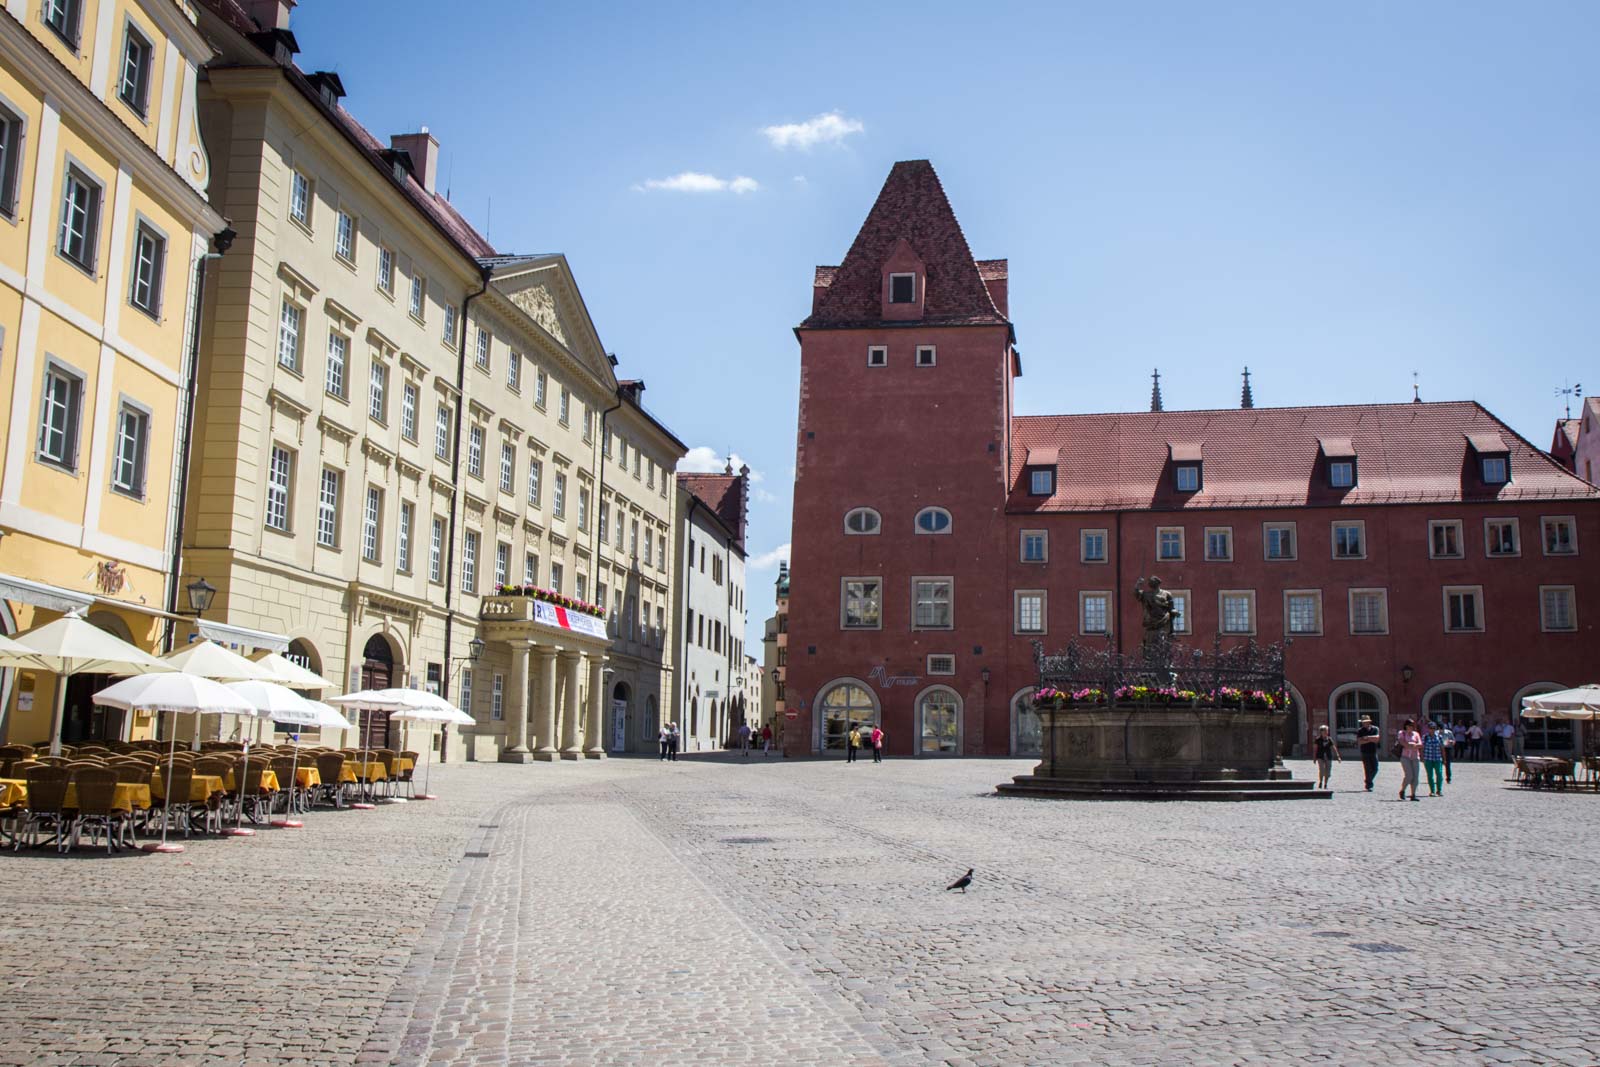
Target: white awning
<point>40,595</point>
<point>224,634</point>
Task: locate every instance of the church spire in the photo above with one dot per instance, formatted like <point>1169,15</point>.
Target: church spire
<point>1246,400</point>
<point>1155,390</point>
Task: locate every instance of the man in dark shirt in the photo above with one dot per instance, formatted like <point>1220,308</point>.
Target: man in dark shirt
<point>1368,737</point>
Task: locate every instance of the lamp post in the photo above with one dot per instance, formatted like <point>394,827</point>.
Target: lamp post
<point>201,593</point>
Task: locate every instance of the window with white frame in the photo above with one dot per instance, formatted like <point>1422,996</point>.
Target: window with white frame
<point>1094,613</point>
<point>466,690</point>
<point>514,371</point>
<point>402,547</point>
<point>557,575</point>
<point>328,509</point>
<point>633,545</point>
<point>469,562</point>
<point>1560,535</point>
<point>65,17</point>
<point>861,604</point>
<point>149,265</point>
<point>1302,612</point>
<point>60,410</point>
<point>1556,607</point>
<point>535,476</point>
<point>481,352</point>
<point>1341,473</point>
<point>1496,470</point>
<point>932,603</point>
<point>475,451</point>
<point>530,569</point>
<point>1237,609</point>
<point>372,524</point>
<point>502,563</point>
<point>1188,476</point>
<point>508,467</point>
<point>386,269</point>
<point>580,589</point>
<point>862,521</point>
<point>1035,546</point>
<point>448,333</point>
<point>1219,543</point>
<point>647,556</point>
<point>1369,611</point>
<point>941,664</point>
<point>1444,539</point>
<point>338,357</point>
<point>541,386</point>
<point>1041,481</point>
<point>583,511</point>
<point>1181,623</point>
<point>133,88</point>
<point>1092,546</point>
<point>80,217</point>
<point>927,356</point>
<point>133,442</point>
<point>344,237</point>
<point>378,392</point>
<point>289,322</point>
<point>1501,537</point>
<point>1169,543</point>
<point>564,410</point>
<point>409,395</point>
<point>300,198</point>
<point>497,697</point>
<point>1463,608</point>
<point>902,288</point>
<point>1278,539</point>
<point>12,127</point>
<point>933,521</point>
<point>661,551</point>
<point>558,497</point>
<point>417,305</point>
<point>436,550</point>
<point>280,482</point>
<point>877,355</point>
<point>1028,609</point>
<point>441,431</point>
<point>1350,540</point>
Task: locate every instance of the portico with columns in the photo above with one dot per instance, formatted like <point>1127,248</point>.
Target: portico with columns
<point>555,689</point>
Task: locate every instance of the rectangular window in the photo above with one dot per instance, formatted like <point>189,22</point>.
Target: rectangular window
<point>1463,608</point>
<point>637,456</point>
<point>418,304</point>
<point>557,573</point>
<point>300,198</point>
<point>580,589</point>
<point>469,562</point>
<point>344,237</point>
<point>661,552</point>
<point>149,264</point>
<point>650,474</point>
<point>927,356</point>
<point>80,218</point>
<point>386,269</point>
<point>514,371</point>
<point>1219,543</point>
<point>280,478</point>
<point>481,353</point>
<point>1444,539</point>
<point>902,288</point>
<point>1341,473</point>
<point>717,571</point>
<point>633,545</point>
<point>1188,478</point>
<point>441,431</point>
<point>497,698</point>
<point>541,385</point>
<point>941,664</point>
<point>565,410</point>
<point>1279,540</point>
<point>436,550</point>
<point>408,411</point>
<point>1560,535</point>
<point>371,524</point>
<point>133,437</point>
<point>588,430</point>
<point>502,564</point>
<point>558,497</point>
<point>1034,546</point>
<point>1302,612</point>
<point>877,356</point>
<point>605,522</point>
<point>508,467</point>
<point>1556,610</point>
<point>466,690</point>
<point>338,355</point>
<point>475,451</point>
<point>1369,611</point>
<point>1496,471</point>
<point>932,604</point>
<point>59,412</point>
<point>1500,537</point>
<point>134,88</point>
<point>328,509</point>
<point>1092,546</point>
<point>1169,543</point>
<point>11,129</point>
<point>530,569</point>
<point>289,319</point>
<point>1030,611</point>
<point>378,392</point>
<point>861,606</point>
<point>535,475</point>
<point>1180,611</point>
<point>1350,540</point>
<point>1094,613</point>
<point>65,17</point>
<point>1237,608</point>
<point>1041,482</point>
<point>402,548</point>
<point>583,512</point>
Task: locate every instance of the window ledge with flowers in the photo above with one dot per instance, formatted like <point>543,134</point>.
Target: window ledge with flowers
<point>550,596</point>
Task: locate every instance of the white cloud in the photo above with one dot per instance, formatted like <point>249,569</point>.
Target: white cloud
<point>703,459</point>
<point>827,128</point>
<point>692,181</point>
<point>767,560</point>
<point>761,495</point>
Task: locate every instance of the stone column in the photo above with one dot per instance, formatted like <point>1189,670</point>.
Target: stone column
<point>545,706</point>
<point>516,750</point>
<point>571,746</point>
<point>596,734</point>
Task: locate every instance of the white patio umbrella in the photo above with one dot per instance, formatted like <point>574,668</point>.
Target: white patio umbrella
<point>1580,703</point>
<point>435,711</point>
<point>211,660</point>
<point>13,654</point>
<point>369,700</point>
<point>286,671</point>
<point>181,694</point>
<point>269,700</point>
<point>72,645</point>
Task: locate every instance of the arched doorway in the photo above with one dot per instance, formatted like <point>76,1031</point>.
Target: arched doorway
<point>1349,703</point>
<point>302,654</point>
<point>938,722</point>
<point>1294,725</point>
<point>1453,703</point>
<point>378,671</point>
<point>844,704</point>
<point>81,718</point>
<point>1027,733</point>
<point>621,714</point>
<point>1542,736</point>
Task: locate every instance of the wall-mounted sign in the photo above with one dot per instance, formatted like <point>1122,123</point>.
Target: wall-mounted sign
<point>884,680</point>
<point>576,621</point>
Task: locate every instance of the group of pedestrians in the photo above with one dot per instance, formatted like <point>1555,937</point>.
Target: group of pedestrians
<point>747,736</point>
<point>1422,747</point>
<point>856,738</point>
<point>669,739</point>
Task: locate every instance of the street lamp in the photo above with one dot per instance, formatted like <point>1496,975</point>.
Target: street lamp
<point>1407,673</point>
<point>201,593</point>
<point>475,649</point>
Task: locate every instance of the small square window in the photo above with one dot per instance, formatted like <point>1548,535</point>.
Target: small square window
<point>1219,543</point>
<point>1279,540</point>
<point>1092,546</point>
<point>1169,543</point>
<point>1341,473</point>
<point>1369,611</point>
<point>902,288</point>
<point>1500,537</point>
<point>1556,607</point>
<point>1463,609</point>
<point>1041,481</point>
<point>1560,535</point>
<point>1349,540</point>
<point>1496,470</point>
<point>1035,546</point>
<point>877,356</point>
<point>1188,478</point>
<point>940,664</point>
<point>1444,539</point>
<point>927,355</point>
<point>1238,610</point>
<point>1302,612</point>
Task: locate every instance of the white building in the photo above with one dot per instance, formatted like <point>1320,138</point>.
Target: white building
<point>710,664</point>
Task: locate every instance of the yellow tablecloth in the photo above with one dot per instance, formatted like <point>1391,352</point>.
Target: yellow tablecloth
<point>13,791</point>
<point>402,764</point>
<point>201,787</point>
<point>306,777</point>
<point>371,772</point>
<point>269,781</point>
<point>129,795</point>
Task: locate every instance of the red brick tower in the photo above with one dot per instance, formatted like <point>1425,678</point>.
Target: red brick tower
<point>898,611</point>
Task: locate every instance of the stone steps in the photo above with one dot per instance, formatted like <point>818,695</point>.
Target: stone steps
<point>1224,790</point>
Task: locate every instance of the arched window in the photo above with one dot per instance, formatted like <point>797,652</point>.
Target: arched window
<point>933,521</point>
<point>1543,735</point>
<point>842,706</point>
<point>1451,704</point>
<point>862,521</point>
<point>1350,702</point>
<point>938,722</point>
<point>1027,737</point>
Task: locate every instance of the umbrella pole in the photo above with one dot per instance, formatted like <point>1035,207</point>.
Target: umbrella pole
<point>166,809</point>
<point>425,795</point>
<point>362,781</point>
<point>239,829</point>
<point>288,807</point>
<point>61,708</point>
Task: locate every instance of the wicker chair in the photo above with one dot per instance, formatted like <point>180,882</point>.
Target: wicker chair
<point>97,797</point>
<point>385,758</point>
<point>407,776</point>
<point>329,767</point>
<point>47,800</point>
<point>254,798</point>
<point>288,789</point>
<point>177,801</point>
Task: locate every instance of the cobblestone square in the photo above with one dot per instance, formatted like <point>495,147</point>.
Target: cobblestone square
<point>764,911</point>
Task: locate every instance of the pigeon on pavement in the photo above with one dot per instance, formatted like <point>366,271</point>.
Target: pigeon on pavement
<point>961,883</point>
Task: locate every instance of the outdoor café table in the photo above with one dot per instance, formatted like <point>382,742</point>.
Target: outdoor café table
<point>371,771</point>
<point>1547,769</point>
<point>13,791</point>
<point>403,764</point>
<point>129,796</point>
<point>201,787</point>
<point>269,781</point>
<point>306,777</point>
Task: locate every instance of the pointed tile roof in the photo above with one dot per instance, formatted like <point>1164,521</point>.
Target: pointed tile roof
<point>911,205</point>
<point>723,496</point>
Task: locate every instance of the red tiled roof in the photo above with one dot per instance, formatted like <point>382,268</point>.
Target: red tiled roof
<point>911,205</point>
<point>1268,457</point>
<point>721,496</point>
<point>991,269</point>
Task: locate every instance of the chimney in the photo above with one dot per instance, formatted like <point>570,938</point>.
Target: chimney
<point>270,14</point>
<point>424,153</point>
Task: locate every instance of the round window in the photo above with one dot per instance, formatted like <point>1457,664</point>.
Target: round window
<point>862,521</point>
<point>933,520</point>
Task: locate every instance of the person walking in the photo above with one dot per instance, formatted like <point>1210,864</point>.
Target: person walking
<point>1508,734</point>
<point>1325,752</point>
<point>1409,743</point>
<point>1368,737</point>
<point>852,742</point>
<point>766,740</point>
<point>673,740</point>
<point>1433,758</point>
<point>1449,738</point>
<point>744,739</point>
<point>1474,742</point>
<point>1497,741</point>
<point>664,738</point>
<point>877,743</point>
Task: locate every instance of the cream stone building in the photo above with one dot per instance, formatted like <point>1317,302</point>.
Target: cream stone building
<point>713,511</point>
<point>104,226</point>
<point>401,454</point>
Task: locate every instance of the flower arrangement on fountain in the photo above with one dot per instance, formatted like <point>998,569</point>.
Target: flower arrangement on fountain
<point>1086,696</point>
<point>550,596</point>
<point>1228,697</point>
<point>1154,694</point>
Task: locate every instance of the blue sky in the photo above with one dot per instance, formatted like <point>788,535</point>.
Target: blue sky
<point>1336,196</point>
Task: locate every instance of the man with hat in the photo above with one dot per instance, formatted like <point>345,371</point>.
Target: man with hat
<point>1368,737</point>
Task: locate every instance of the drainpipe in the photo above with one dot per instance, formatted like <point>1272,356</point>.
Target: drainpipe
<point>222,241</point>
<point>455,480</point>
<point>599,527</point>
<point>688,585</point>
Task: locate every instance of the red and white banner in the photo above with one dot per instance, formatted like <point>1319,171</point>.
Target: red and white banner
<point>577,622</point>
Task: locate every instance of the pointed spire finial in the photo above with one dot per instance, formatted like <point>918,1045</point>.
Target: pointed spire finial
<point>1416,389</point>
<point>1246,400</point>
<point>1155,390</point>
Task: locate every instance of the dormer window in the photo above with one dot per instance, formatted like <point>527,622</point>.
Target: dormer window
<point>1342,474</point>
<point>1188,478</point>
<point>902,288</point>
<point>1496,470</point>
<point>1494,457</point>
<point>1187,475</point>
<point>1340,455</point>
<point>1040,466</point>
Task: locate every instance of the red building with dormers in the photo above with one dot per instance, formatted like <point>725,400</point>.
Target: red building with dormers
<point>1415,557</point>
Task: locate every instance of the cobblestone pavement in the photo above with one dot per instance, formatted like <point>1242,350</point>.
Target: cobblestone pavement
<point>725,911</point>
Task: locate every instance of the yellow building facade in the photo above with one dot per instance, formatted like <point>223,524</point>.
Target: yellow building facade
<point>104,223</point>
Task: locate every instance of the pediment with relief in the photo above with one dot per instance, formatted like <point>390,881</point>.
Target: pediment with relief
<point>540,304</point>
